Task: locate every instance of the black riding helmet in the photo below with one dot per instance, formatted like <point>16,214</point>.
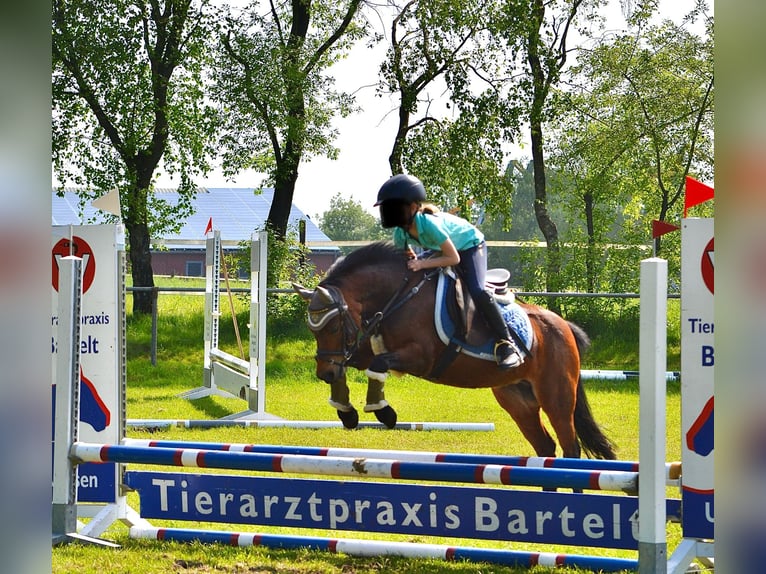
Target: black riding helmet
<point>395,196</point>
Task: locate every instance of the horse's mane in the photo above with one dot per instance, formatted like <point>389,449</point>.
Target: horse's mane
<point>378,254</point>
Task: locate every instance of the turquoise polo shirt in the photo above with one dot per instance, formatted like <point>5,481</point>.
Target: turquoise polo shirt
<point>433,230</point>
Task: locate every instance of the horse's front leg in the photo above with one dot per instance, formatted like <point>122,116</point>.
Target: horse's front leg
<point>377,403</point>
<point>377,373</point>
<point>340,401</point>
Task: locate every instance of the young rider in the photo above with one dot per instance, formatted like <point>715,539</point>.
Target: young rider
<point>458,243</point>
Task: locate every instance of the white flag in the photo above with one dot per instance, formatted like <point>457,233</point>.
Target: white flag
<point>109,202</point>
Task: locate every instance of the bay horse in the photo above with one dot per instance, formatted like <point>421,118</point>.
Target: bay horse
<point>371,313</point>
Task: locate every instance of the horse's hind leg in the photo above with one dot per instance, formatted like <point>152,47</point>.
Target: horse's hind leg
<point>559,407</point>
<point>519,401</point>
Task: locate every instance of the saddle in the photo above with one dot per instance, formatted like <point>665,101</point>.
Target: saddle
<point>468,324</point>
<point>461,326</point>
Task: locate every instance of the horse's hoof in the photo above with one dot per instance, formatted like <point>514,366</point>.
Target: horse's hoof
<point>350,419</point>
<point>387,416</point>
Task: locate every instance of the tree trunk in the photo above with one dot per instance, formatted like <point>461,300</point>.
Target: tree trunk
<point>288,162</point>
<point>140,265</point>
<point>284,190</point>
<point>287,166</point>
<point>540,88</point>
<point>544,221</point>
<point>664,209</point>
<point>395,159</point>
<point>136,219</point>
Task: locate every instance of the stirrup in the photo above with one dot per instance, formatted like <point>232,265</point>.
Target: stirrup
<point>506,355</point>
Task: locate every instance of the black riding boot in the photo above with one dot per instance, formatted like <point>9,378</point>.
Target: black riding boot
<point>506,352</point>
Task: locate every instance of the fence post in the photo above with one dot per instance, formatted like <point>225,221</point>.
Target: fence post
<point>155,297</point>
<point>66,403</point>
<point>652,537</point>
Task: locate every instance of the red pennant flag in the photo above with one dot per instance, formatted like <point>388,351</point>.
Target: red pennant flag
<point>209,227</point>
<point>696,193</point>
<point>660,228</point>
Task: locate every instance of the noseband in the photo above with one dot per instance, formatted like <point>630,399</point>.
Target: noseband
<point>354,335</point>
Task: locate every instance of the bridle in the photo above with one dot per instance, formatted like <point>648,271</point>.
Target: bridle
<point>319,318</point>
<point>354,335</point>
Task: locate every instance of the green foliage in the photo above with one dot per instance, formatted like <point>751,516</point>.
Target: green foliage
<point>273,86</point>
<point>520,225</point>
<point>278,101</point>
<point>287,263</point>
<point>459,162</point>
<point>635,120</point>
<point>429,40</point>
<point>536,37</point>
<point>127,98</point>
<point>639,120</point>
<point>128,83</point>
<point>347,220</point>
<point>458,152</point>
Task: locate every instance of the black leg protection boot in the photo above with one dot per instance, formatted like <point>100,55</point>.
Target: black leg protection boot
<point>507,354</point>
<point>387,416</point>
<point>350,419</point>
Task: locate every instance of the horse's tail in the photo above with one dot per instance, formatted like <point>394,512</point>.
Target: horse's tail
<point>592,439</point>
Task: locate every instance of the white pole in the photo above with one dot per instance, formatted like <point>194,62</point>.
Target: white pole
<point>212,303</point>
<point>652,542</point>
<point>64,512</point>
<point>258,277</point>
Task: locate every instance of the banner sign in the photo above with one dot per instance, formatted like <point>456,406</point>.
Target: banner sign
<point>697,363</point>
<point>423,510</point>
<point>102,249</point>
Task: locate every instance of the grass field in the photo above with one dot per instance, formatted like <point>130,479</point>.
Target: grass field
<point>293,392</point>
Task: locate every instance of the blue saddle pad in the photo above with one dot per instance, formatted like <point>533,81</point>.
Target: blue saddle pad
<point>515,317</point>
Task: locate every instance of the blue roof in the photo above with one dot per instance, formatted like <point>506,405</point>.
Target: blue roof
<point>236,211</point>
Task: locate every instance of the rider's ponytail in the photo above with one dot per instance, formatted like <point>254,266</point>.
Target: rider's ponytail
<point>429,208</point>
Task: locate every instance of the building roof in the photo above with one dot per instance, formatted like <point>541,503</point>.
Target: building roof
<point>236,211</point>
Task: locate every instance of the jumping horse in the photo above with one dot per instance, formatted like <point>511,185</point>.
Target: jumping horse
<point>371,313</point>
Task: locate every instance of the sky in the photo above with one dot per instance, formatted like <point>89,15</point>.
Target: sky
<point>365,138</point>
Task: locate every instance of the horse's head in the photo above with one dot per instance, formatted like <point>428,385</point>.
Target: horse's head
<point>333,329</point>
<point>356,289</point>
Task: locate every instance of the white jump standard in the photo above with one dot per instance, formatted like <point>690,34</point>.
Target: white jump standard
<point>224,373</point>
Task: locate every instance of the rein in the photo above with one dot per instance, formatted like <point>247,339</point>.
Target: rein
<point>354,335</point>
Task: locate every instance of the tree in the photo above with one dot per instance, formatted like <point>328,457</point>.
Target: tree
<point>460,163</point>
<point>276,99</point>
<point>527,260</point>
<point>538,32</point>
<point>444,45</point>
<point>128,86</point>
<point>641,120</point>
<point>429,40</point>
<point>347,220</point>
